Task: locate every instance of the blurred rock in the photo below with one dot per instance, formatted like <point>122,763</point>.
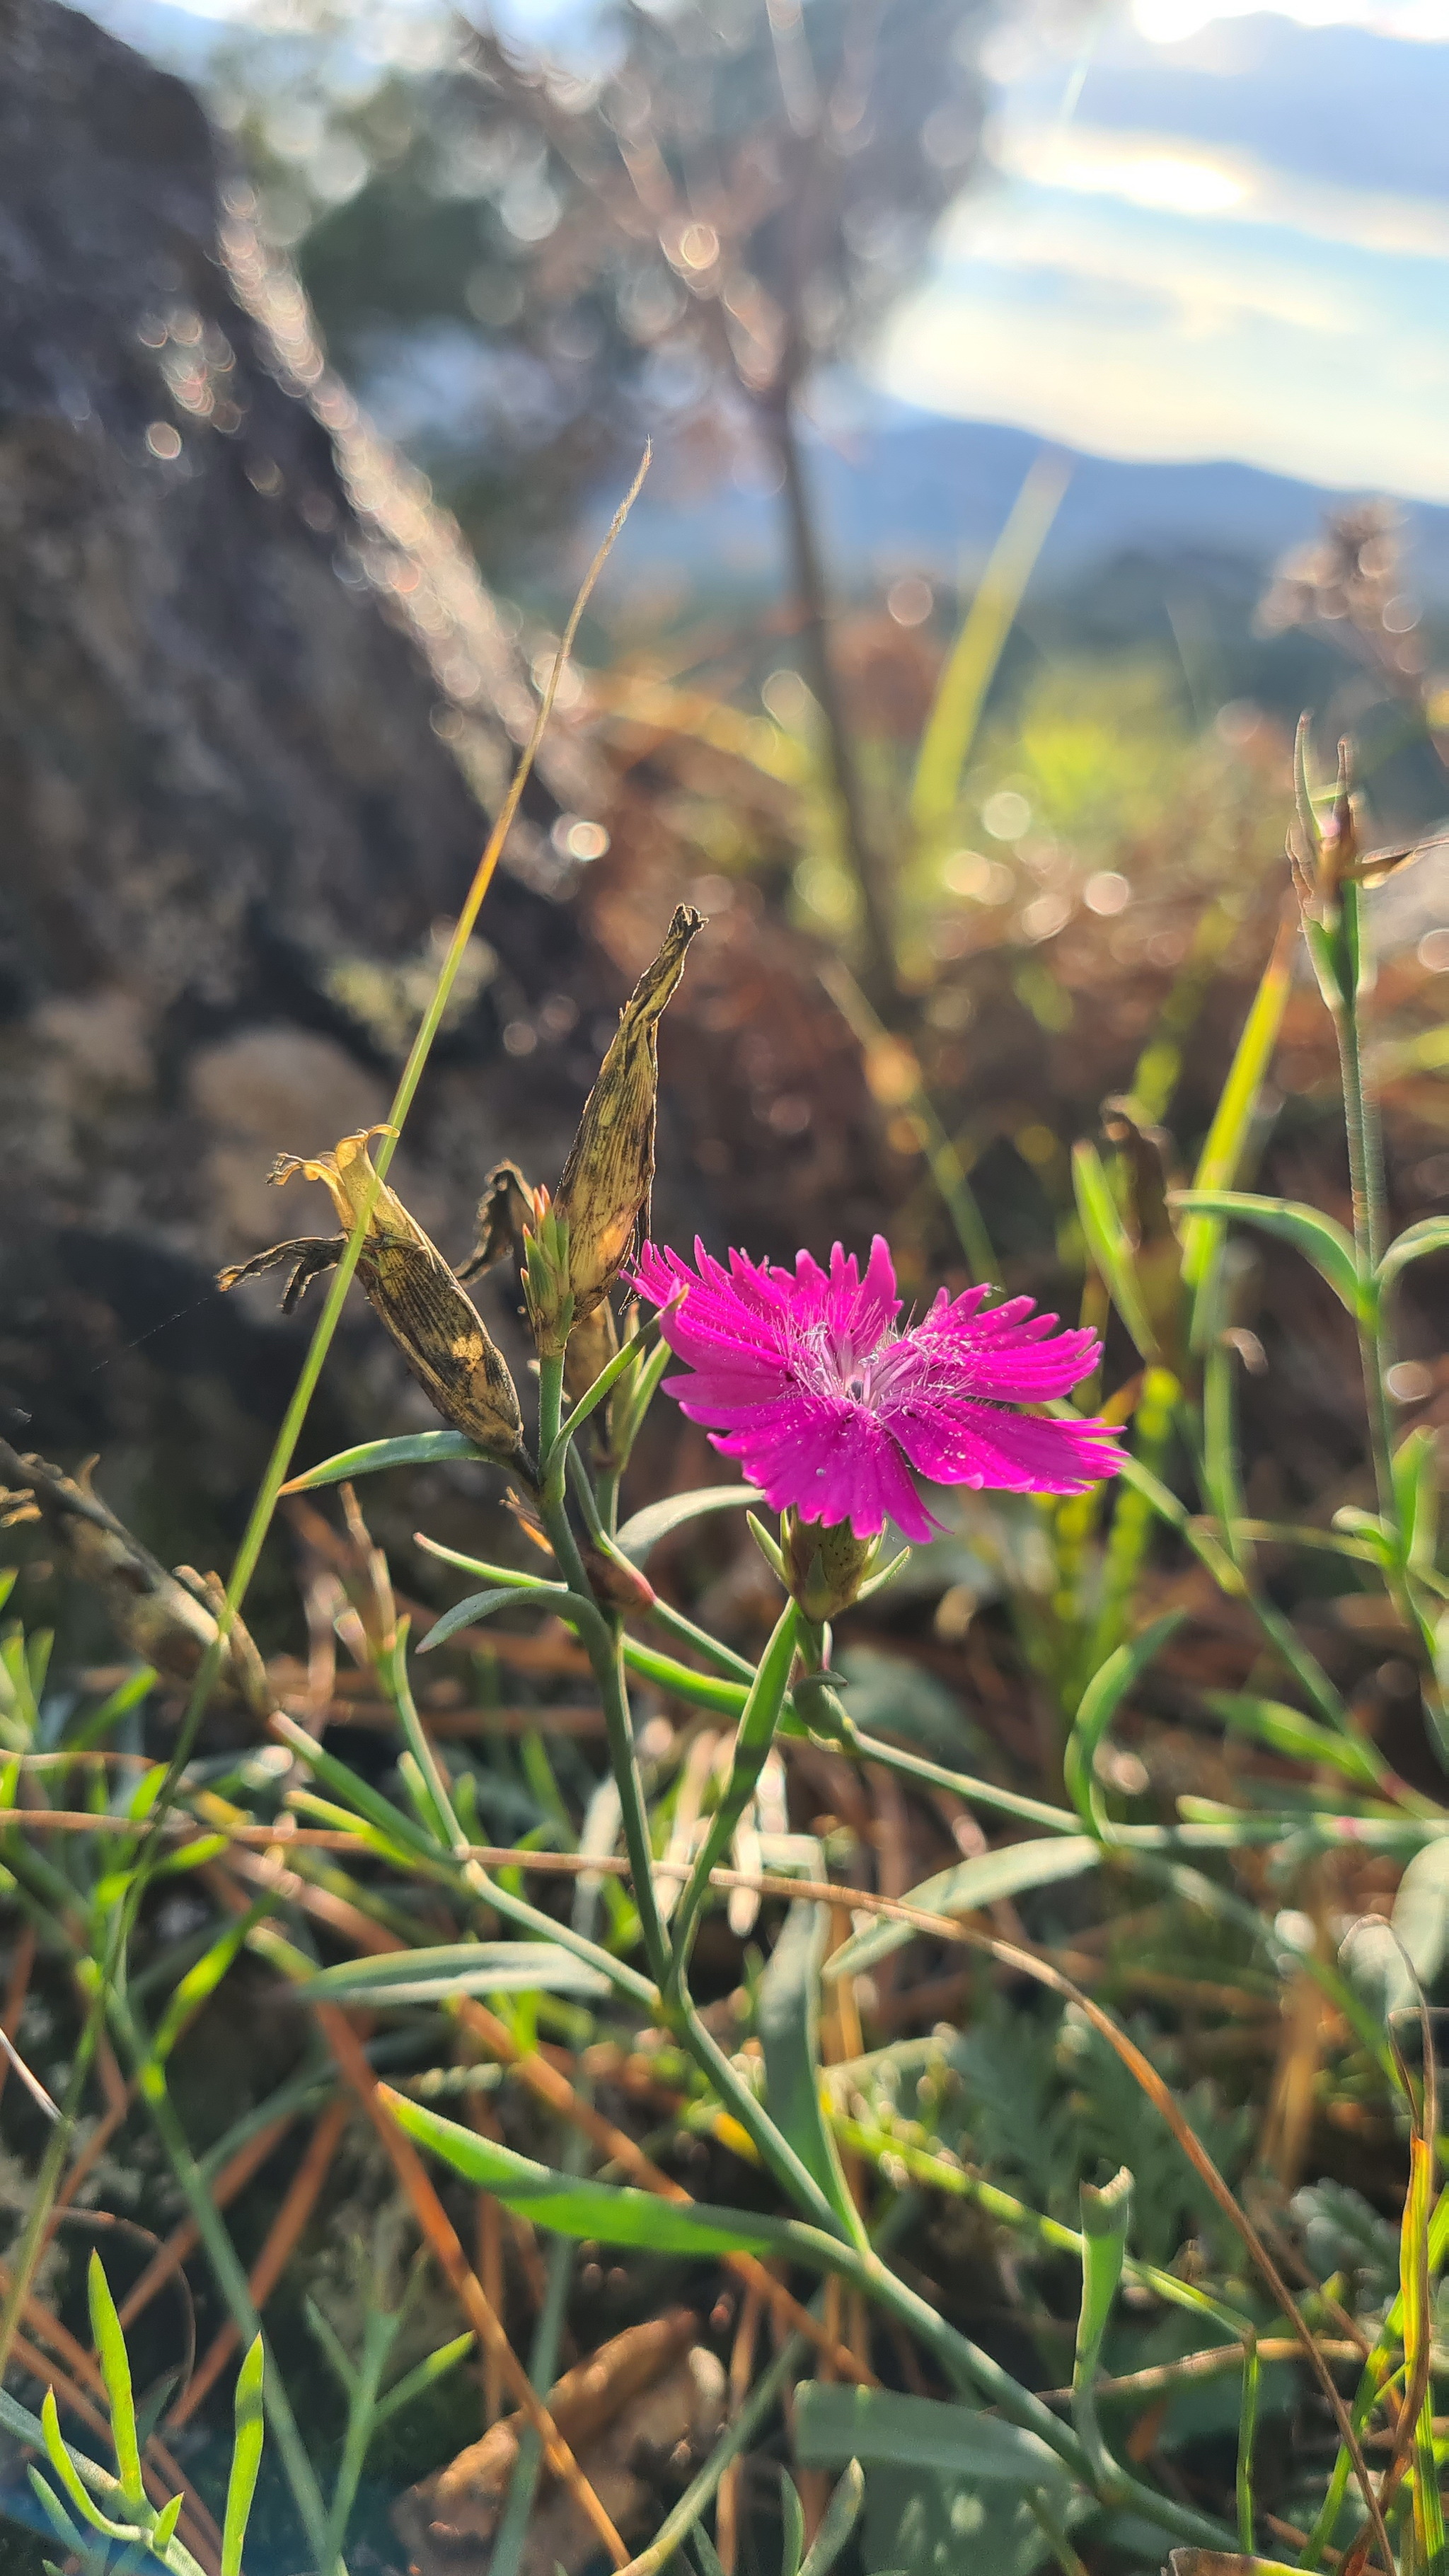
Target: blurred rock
<point>255,707</point>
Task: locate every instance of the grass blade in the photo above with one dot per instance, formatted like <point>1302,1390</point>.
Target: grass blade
<point>246,2458</point>
<point>116,2372</point>
<point>961,691</point>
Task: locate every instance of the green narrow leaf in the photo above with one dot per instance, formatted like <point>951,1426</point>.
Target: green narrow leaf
<point>1110,1246</point>
<point>1286,1730</point>
<point>115,2364</point>
<point>1099,1704</point>
<point>1009,1871</point>
<point>348,1784</point>
<point>657,1521</point>
<point>789,2028</point>
<point>1106,2216</point>
<point>835,2424</point>
<point>481,1605</point>
<point>950,728</point>
<point>1317,1237</point>
<point>501,1574</point>
<point>837,2522</point>
<point>1416,1490</point>
<point>164,2529</point>
<point>792,2516</point>
<point>203,1980</point>
<point>426,2373</point>
<point>1247,2436</point>
<point>635,1401</point>
<point>574,2206</point>
<point>246,2457</point>
<point>1232,1122</point>
<point>55,2513</point>
<point>457,1968</point>
<point>69,2476</point>
<point>126,1696</point>
<point>420,1449</point>
<point>593,1396</point>
<point>1431,1234</point>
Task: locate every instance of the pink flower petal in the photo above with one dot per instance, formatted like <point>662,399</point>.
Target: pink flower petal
<point>803,1376</point>
<point>1015,1453</point>
<point>833,1464</point>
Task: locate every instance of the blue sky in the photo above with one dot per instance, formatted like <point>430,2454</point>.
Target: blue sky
<point>1207,234</point>
<point>1203,233</point>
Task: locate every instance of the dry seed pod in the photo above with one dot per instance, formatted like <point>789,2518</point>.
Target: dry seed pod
<point>436,1327</point>
<point>505,1212</point>
<point>607,1177</point>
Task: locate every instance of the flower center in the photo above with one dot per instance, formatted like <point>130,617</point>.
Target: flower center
<point>835,1365</point>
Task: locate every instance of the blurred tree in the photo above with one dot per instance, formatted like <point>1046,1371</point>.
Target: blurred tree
<point>670,233</point>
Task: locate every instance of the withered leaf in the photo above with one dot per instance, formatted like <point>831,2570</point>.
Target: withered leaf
<point>505,1211</point>
<point>623,2412</point>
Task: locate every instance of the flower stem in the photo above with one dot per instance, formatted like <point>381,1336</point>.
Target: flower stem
<point>604,1644</point>
<point>1366,1181</point>
<point>758,1720</point>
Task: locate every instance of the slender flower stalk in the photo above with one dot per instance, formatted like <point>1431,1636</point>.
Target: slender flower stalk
<point>759,1719</point>
<point>603,1641</point>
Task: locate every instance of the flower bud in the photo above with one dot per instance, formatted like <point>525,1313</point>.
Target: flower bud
<point>607,1177</point>
<point>825,1565</point>
<point>546,1290</point>
<point>435,1326</point>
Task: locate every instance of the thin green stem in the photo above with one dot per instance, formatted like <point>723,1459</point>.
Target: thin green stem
<point>97,1982</point>
<point>759,1719</point>
<point>1247,2434</point>
<point>964,1784</point>
<point>481,1886</point>
<point>362,2405</point>
<point>1365,1167</point>
<point>47,2183</point>
<point>689,1634</point>
<point>231,2279</point>
<point>603,1641</point>
<point>774,2150</point>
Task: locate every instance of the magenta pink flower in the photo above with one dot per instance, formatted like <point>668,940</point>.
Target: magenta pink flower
<point>805,1377</point>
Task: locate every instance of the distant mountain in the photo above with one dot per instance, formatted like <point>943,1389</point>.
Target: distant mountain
<point>910,491</point>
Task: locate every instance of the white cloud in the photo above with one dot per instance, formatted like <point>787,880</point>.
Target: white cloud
<point>1160,173</point>
<point>1167,22</point>
<point>1168,268</point>
<point>1071,370</point>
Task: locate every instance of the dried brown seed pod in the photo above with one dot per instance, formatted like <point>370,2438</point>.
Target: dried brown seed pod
<point>610,1169</point>
<point>435,1325</point>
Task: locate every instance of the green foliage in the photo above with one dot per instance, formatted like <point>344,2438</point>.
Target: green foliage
<point>1092,2144</point>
